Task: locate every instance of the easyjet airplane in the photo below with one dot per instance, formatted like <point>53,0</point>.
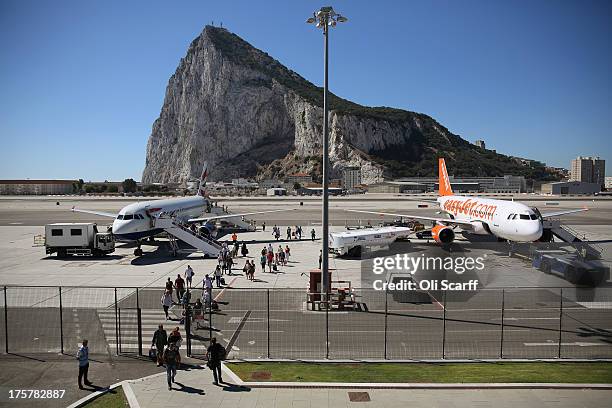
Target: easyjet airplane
<point>135,222</point>
<point>508,220</point>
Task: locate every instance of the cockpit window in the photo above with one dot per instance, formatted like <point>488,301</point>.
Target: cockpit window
<point>514,216</point>
<point>128,216</point>
<point>120,217</point>
<point>524,216</point>
<point>533,216</point>
<point>510,216</point>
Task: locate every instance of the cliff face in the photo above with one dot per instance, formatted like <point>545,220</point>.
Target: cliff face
<point>247,115</point>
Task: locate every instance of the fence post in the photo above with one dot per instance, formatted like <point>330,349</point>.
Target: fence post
<point>327,325</point>
<point>501,342</point>
<point>444,327</point>
<point>5,323</point>
<point>139,322</point>
<point>137,301</point>
<point>386,313</point>
<point>210,318</point>
<point>560,320</point>
<point>116,325</point>
<point>61,321</point>
<point>268,328</point>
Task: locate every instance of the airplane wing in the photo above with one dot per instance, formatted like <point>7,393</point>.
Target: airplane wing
<point>417,217</point>
<point>220,217</point>
<point>100,213</point>
<point>563,212</point>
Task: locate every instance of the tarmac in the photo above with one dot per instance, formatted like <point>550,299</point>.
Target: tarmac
<point>414,329</point>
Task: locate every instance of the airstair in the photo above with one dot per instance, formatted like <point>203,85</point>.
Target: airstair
<point>577,240</point>
<point>175,229</point>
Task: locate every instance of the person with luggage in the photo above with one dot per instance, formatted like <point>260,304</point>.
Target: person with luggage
<point>215,354</point>
<point>160,340</point>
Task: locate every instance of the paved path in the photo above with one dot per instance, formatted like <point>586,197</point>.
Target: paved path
<point>195,388</point>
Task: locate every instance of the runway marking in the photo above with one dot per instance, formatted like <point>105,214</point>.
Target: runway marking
<point>234,337</point>
<point>220,294</point>
<point>596,305</point>
<point>577,343</point>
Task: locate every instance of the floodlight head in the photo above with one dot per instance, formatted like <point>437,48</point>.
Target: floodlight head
<point>342,19</point>
<point>311,20</point>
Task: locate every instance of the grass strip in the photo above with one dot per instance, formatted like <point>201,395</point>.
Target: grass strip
<point>112,399</point>
<point>537,372</point>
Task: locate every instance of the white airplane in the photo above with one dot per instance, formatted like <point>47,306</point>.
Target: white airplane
<point>136,221</point>
<point>507,220</point>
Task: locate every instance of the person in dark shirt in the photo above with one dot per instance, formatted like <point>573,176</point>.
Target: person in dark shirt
<point>215,354</point>
<point>179,284</point>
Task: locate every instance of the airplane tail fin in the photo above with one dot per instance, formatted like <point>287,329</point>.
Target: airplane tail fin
<point>203,177</point>
<point>444,186</point>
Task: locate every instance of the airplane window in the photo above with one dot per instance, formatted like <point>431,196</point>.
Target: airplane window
<point>120,217</point>
<point>514,216</point>
<point>533,216</point>
<point>524,216</point>
<point>509,216</point>
<point>139,216</point>
<point>128,217</point>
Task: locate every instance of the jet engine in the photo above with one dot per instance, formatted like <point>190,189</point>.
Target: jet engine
<point>443,234</point>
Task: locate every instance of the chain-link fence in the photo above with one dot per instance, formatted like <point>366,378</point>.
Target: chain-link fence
<point>525,323</point>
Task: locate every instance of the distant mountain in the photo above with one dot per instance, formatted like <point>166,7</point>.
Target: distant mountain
<point>249,116</point>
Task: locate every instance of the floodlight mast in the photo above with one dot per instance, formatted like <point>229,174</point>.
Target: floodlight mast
<point>324,18</point>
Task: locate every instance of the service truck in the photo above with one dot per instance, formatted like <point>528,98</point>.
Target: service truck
<point>78,239</point>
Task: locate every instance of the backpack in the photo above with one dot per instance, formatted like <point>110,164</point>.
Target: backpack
<point>170,356</point>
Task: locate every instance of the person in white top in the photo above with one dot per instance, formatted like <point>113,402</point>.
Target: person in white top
<point>189,275</point>
<point>166,301</point>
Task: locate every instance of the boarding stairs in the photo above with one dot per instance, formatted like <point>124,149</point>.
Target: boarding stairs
<point>182,232</point>
<point>577,240</point>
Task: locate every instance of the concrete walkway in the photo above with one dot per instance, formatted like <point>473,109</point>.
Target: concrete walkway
<point>195,388</point>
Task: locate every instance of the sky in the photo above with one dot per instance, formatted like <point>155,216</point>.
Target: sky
<point>81,82</point>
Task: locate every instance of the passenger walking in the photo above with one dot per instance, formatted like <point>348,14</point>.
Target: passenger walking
<point>312,234</point>
<point>172,360</point>
<point>235,249</point>
<point>252,270</point>
<point>207,284</point>
<point>263,226</point>
<point>179,284</point>
<point>83,357</point>
<point>244,251</point>
<point>175,337</point>
<point>288,233</point>
<point>160,340</point>
<point>215,354</point>
<point>169,286</point>
<point>218,274</point>
<point>166,301</point>
<point>262,261</point>
<point>189,275</point>
<point>270,258</point>
<point>229,264</point>
<point>287,253</point>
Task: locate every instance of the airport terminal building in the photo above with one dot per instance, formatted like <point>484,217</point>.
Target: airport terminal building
<point>505,184</point>
<point>36,187</point>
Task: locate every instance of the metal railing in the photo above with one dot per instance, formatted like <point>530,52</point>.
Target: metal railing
<point>530,323</point>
